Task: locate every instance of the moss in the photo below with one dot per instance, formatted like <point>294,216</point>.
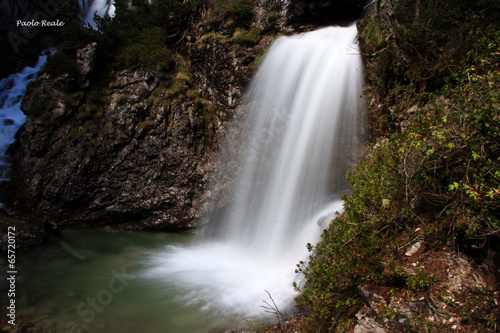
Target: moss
<point>373,34</point>
<point>73,101</point>
<point>90,125</point>
<point>212,108</point>
<point>182,77</point>
<point>157,98</point>
<point>200,103</point>
<point>272,16</point>
<point>146,124</point>
<point>245,37</point>
<point>209,39</point>
<point>193,93</point>
<point>84,113</point>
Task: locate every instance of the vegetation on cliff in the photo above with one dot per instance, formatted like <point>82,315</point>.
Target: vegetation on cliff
<point>430,179</point>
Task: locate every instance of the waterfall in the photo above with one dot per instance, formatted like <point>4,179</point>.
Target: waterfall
<point>87,9</point>
<point>12,89</point>
<point>305,115</point>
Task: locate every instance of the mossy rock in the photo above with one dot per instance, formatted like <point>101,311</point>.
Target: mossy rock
<point>245,37</point>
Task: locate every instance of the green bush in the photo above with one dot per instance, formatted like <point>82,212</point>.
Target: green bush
<point>143,36</point>
<point>148,51</point>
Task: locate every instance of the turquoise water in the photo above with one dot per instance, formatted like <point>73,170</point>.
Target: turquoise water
<point>94,282</point>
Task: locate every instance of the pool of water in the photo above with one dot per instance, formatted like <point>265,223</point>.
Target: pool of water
<point>94,281</point>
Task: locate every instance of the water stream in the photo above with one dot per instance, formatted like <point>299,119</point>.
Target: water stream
<point>12,90</point>
<point>305,111</point>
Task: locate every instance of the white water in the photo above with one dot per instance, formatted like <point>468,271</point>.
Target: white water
<point>305,110</point>
<point>12,89</point>
<point>87,9</point>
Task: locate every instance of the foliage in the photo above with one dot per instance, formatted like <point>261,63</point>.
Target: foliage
<point>141,35</point>
<point>324,12</point>
<point>411,47</point>
<point>60,63</point>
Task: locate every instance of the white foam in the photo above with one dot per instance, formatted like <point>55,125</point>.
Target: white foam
<point>305,112</point>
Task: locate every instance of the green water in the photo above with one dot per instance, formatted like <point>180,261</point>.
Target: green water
<point>92,283</point>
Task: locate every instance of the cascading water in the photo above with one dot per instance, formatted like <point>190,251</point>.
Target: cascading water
<point>12,89</point>
<point>87,9</point>
<point>306,117</point>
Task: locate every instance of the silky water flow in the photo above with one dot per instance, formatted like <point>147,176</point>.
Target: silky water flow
<point>306,128</point>
<point>12,89</point>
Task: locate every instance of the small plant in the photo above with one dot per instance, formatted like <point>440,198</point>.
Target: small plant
<point>271,307</point>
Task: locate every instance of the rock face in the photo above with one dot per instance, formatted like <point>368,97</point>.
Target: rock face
<point>133,159</point>
<point>452,303</point>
